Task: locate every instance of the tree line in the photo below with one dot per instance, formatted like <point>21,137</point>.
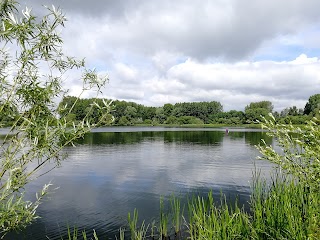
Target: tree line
<point>130,113</point>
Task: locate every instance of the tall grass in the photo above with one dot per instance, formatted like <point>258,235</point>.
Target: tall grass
<point>136,233</point>
<point>164,220</point>
<point>177,214</point>
<point>210,221</point>
<point>285,209</point>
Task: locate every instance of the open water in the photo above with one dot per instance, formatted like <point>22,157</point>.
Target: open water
<point>114,170</point>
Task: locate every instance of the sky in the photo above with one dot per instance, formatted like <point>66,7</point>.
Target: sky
<point>231,51</point>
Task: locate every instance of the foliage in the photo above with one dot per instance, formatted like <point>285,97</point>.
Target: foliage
<point>189,120</point>
<point>300,150</point>
<point>313,105</point>
<point>205,112</point>
<point>299,119</point>
<point>8,115</point>
<point>172,120</point>
<point>291,111</point>
<point>31,73</point>
<point>262,104</point>
<point>160,116</point>
<point>123,121</point>
<point>232,117</point>
<point>256,111</point>
<point>168,108</point>
<point>256,115</point>
<point>200,110</point>
<point>284,210</point>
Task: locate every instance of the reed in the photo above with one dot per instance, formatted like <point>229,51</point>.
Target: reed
<point>164,219</point>
<point>121,234</point>
<point>285,209</point>
<point>211,221</point>
<point>136,233</point>
<point>177,214</point>
<point>73,234</point>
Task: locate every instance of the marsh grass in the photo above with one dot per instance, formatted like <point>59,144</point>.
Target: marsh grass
<point>284,209</point>
<point>177,214</point>
<point>164,220</point>
<point>74,234</point>
<point>208,220</point>
<point>137,233</point>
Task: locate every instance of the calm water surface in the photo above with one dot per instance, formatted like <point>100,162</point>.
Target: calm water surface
<point>114,170</point>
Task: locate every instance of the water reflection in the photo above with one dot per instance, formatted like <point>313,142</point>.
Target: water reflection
<point>201,137</point>
<point>109,174</point>
<point>254,138</point>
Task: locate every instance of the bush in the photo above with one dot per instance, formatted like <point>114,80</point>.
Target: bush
<point>189,120</point>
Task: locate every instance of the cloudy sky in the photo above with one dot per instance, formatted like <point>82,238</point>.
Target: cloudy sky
<point>164,51</point>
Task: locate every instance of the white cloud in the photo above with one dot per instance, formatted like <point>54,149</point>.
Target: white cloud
<point>235,85</point>
<point>170,51</point>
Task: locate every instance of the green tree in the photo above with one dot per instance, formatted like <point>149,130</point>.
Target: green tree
<point>256,111</point>
<point>200,110</point>
<point>148,113</point>
<point>171,120</point>
<point>38,133</point>
<point>189,120</point>
<point>160,117</point>
<point>255,114</point>
<point>130,112</point>
<point>313,105</point>
<point>123,121</point>
<point>168,108</point>
<point>262,104</point>
<point>293,111</point>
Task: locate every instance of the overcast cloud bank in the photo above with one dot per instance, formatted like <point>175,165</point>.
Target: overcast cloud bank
<point>235,52</point>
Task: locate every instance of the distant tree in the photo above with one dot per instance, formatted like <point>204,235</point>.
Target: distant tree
<point>255,111</point>
<point>118,109</point>
<point>276,115</point>
<point>189,120</point>
<point>298,119</point>
<point>160,117</point>
<point>262,104</point>
<point>147,121</point>
<point>177,111</point>
<point>284,112</point>
<point>172,120</point>
<point>255,114</point>
<point>313,105</point>
<point>148,113</point>
<point>167,109</point>
<point>231,117</point>
<point>123,121</point>
<point>200,110</point>
<point>130,113</point>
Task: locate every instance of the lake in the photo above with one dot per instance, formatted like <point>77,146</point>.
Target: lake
<point>114,170</point>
